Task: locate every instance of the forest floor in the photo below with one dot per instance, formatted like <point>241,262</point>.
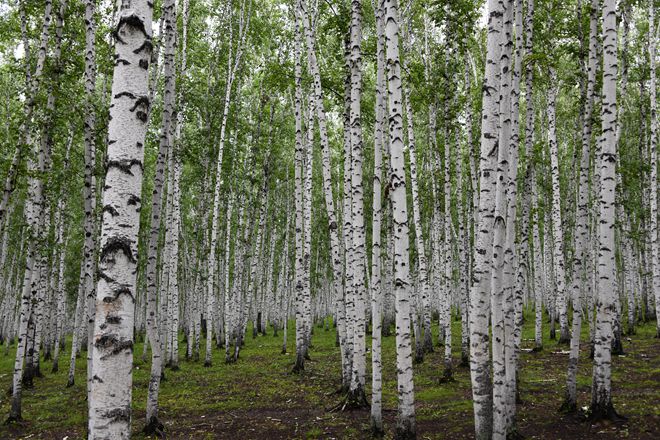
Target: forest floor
<point>260,398</point>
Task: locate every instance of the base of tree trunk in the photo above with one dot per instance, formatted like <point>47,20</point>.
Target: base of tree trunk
<point>55,367</point>
<point>605,412</point>
<point>14,419</point>
<point>465,361</point>
<point>447,376</point>
<point>208,364</point>
<point>405,429</point>
<point>568,407</point>
<point>377,430</point>
<point>155,427</point>
<point>354,399</point>
<point>617,347</point>
<point>553,334</point>
<point>28,377</point>
<point>419,354</point>
<point>537,348</point>
<point>71,382</point>
<point>299,366</point>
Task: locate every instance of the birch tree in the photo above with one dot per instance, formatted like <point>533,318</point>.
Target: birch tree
<point>601,401</point>
<point>480,290</point>
<point>112,352</point>
<point>405,428</point>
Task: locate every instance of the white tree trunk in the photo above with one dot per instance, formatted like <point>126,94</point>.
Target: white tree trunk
<point>557,223</point>
<point>299,198</point>
<point>601,404</point>
<point>33,216</point>
<point>376,288</point>
<point>481,286</point>
<point>327,192</point>
<point>581,264</point>
<point>112,357</point>
<point>357,388</point>
<point>425,341</point>
<point>405,428</point>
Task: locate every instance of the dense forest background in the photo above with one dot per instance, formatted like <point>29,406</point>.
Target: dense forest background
<point>421,202</point>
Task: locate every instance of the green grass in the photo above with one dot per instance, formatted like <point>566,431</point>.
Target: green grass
<point>259,397</point>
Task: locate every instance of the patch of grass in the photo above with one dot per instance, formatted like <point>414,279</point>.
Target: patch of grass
<point>259,397</point>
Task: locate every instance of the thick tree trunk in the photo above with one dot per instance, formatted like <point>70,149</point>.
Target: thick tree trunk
<point>112,357</point>
<point>601,404</point>
<point>502,220</point>
<point>376,288</point>
<point>357,394</point>
<point>405,428</point>
<point>481,286</point>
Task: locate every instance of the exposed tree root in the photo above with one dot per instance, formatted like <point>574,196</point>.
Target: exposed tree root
<point>155,427</point>
<point>356,399</point>
<point>605,412</point>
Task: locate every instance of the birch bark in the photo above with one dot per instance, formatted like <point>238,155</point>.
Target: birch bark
<point>112,357</point>
<point>480,291</point>
<point>601,405</point>
<point>405,428</point>
<point>376,289</point>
